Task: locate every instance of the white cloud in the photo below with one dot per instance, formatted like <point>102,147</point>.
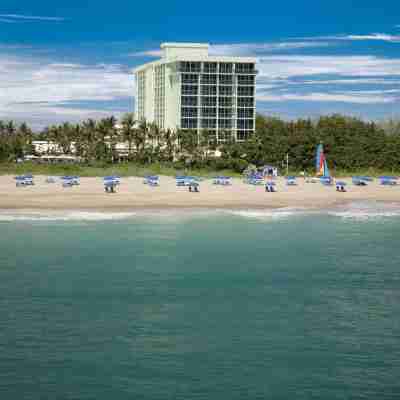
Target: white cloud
<point>291,78</point>
<point>375,36</point>
<point>260,48</point>
<point>36,90</point>
<point>347,97</point>
<point>242,49</point>
<point>18,17</point>
<point>146,53</point>
<point>274,67</point>
<point>358,81</point>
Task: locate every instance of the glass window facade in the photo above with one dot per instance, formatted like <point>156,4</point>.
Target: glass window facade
<point>218,96</point>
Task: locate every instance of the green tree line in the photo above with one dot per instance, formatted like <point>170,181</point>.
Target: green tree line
<point>350,144</point>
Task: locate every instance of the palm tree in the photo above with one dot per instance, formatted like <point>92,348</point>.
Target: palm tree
<point>128,131</point>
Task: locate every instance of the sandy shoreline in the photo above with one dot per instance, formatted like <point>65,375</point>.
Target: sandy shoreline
<point>133,195</point>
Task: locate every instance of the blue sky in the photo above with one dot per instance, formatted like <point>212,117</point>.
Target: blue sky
<point>70,60</point>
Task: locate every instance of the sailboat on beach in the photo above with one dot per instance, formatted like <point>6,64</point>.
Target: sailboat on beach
<point>322,173</point>
<point>321,166</point>
<point>320,162</point>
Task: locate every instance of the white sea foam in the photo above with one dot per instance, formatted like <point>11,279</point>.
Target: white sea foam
<point>366,210</point>
<point>277,213</point>
<point>356,210</point>
<point>10,216</point>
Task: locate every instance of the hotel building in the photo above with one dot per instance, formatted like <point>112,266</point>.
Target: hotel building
<point>189,89</point>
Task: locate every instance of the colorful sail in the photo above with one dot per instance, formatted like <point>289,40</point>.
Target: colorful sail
<point>321,164</point>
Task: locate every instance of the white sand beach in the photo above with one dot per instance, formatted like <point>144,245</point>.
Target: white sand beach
<point>132,195</point>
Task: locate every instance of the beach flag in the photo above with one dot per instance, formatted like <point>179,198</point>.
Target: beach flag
<point>320,162</point>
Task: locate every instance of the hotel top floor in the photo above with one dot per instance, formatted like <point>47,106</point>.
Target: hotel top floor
<point>199,52</point>
<point>189,89</point>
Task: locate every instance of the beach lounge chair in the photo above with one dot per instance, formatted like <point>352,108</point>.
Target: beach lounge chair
<point>20,181</point>
<point>185,180</point>
<point>256,179</point>
<point>270,186</point>
<point>340,186</point>
<point>194,187</point>
<point>152,180</point>
<point>181,180</point>
<point>291,181</point>
<point>360,181</point>
<point>69,181</point>
<point>326,180</point>
<point>222,180</point>
<point>311,179</point>
<point>110,186</point>
<point>24,180</point>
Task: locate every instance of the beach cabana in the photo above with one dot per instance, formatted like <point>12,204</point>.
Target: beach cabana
<point>340,186</point>
<point>388,180</point>
<point>194,187</point>
<point>270,186</point>
<point>291,181</point>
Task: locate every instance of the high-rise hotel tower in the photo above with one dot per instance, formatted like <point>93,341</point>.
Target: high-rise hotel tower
<point>189,89</point>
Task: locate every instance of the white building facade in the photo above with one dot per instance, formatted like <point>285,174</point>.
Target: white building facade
<point>189,89</point>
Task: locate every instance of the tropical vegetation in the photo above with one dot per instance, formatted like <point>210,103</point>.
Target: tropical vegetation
<point>350,144</point>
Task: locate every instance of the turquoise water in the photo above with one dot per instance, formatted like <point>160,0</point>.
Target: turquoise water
<point>210,307</point>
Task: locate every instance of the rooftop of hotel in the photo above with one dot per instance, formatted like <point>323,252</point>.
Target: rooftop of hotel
<point>173,52</point>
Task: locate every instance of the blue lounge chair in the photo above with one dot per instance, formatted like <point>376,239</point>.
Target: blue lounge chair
<point>270,186</point>
<point>110,186</point>
<point>185,180</point>
<point>340,186</point>
<point>360,180</point>
<point>326,180</point>
<point>194,187</point>
<point>291,181</point>
<point>69,181</point>
<point>24,180</point>
<point>222,180</point>
<point>255,179</point>
<point>151,180</point>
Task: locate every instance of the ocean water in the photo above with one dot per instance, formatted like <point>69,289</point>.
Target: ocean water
<point>214,305</point>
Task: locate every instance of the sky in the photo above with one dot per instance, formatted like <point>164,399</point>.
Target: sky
<point>69,60</point>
